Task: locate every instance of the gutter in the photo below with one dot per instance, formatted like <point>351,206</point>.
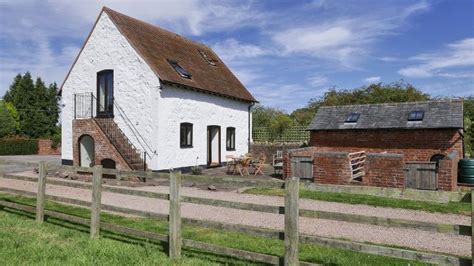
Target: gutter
<point>249,125</point>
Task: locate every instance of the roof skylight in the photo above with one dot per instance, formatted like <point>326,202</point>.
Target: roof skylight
<point>209,60</point>
<point>416,115</point>
<point>181,71</point>
<point>352,118</point>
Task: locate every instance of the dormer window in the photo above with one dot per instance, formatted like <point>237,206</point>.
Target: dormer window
<point>352,118</point>
<point>416,115</point>
<point>181,71</point>
<point>208,59</point>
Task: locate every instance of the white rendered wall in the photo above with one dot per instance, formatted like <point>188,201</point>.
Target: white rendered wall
<point>136,87</point>
<point>182,105</point>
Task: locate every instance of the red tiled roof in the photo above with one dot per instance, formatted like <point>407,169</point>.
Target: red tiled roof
<point>157,46</point>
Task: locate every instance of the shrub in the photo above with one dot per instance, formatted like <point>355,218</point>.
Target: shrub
<point>18,146</point>
<point>196,170</point>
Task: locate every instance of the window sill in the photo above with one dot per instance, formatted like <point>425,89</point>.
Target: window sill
<point>228,149</point>
<point>186,147</point>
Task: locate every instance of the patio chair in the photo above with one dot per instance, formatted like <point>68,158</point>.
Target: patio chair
<point>278,162</point>
<point>260,165</point>
<point>230,162</point>
<point>243,167</point>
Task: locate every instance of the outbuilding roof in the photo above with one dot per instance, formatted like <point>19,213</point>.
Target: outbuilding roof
<point>430,114</point>
<point>162,50</point>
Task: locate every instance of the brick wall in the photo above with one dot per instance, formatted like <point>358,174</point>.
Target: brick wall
<point>269,149</point>
<point>45,147</point>
<point>384,170</point>
<point>103,148</point>
<point>414,144</point>
<point>331,168</point>
<point>448,172</point>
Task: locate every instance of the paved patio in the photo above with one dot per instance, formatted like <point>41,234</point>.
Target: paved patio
<point>268,171</point>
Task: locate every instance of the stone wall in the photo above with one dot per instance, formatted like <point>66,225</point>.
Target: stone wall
<point>45,147</point>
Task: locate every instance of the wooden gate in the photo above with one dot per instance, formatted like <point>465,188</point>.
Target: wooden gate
<point>302,167</point>
<point>421,175</point>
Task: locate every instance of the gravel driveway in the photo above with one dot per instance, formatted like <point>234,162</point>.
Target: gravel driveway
<point>411,238</point>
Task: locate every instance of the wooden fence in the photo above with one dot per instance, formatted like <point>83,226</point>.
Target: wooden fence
<point>291,234</point>
<point>297,134</point>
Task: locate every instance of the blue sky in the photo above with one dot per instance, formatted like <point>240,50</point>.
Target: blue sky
<point>285,52</point>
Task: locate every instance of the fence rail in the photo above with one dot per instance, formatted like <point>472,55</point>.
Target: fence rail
<point>291,214</point>
<point>297,134</point>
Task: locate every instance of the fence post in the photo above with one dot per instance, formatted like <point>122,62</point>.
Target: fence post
<point>40,197</point>
<point>174,240</point>
<point>96,200</point>
<point>291,220</point>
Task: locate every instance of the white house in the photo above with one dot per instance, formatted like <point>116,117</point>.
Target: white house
<point>139,95</point>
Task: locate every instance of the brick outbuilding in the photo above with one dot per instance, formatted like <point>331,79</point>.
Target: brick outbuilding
<point>379,144</point>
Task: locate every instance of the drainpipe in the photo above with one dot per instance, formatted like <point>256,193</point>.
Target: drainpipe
<point>250,125</point>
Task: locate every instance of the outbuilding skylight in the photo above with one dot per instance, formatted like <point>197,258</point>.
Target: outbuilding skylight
<point>352,118</point>
<point>181,71</point>
<point>416,115</point>
<point>211,61</point>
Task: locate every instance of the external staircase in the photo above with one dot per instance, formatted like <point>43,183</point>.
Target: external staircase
<point>121,143</point>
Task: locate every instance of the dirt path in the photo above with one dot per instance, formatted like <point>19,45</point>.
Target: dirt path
<point>416,239</point>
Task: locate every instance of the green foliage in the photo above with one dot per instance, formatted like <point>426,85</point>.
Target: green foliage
<point>18,146</point>
<point>469,126</point>
<point>279,125</point>
<point>37,106</point>
<point>196,170</point>
<point>8,123</point>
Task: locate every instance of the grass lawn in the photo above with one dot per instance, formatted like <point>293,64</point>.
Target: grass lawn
<point>25,242</point>
<point>451,207</point>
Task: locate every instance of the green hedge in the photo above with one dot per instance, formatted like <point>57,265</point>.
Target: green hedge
<point>18,146</point>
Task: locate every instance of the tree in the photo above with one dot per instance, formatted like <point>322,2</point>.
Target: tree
<point>399,91</point>
<point>469,126</point>
<point>263,116</point>
<point>7,120</point>
<point>37,106</point>
<point>279,125</point>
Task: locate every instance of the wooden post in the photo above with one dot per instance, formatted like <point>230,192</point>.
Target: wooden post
<point>96,200</point>
<point>472,225</point>
<point>175,240</point>
<point>291,221</point>
<point>40,198</point>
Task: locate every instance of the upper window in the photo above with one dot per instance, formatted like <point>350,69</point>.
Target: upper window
<point>186,135</point>
<point>181,71</point>
<point>209,60</point>
<point>230,139</point>
<point>352,118</point>
<point>416,116</point>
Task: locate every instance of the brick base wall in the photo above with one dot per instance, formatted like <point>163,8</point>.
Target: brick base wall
<point>448,172</point>
<point>45,147</point>
<point>270,149</point>
<point>103,148</point>
<point>384,170</point>
<point>331,168</point>
<point>414,144</point>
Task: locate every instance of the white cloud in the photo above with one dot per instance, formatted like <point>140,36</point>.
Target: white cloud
<point>344,39</point>
<point>231,49</point>
<point>372,79</point>
<point>453,59</point>
<point>318,81</point>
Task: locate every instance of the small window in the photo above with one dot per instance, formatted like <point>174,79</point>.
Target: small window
<point>181,71</point>
<point>209,60</point>
<point>186,135</point>
<point>416,116</point>
<point>230,139</point>
<point>352,118</point>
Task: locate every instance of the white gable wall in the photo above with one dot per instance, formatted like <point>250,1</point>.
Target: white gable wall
<point>156,113</point>
<point>136,87</point>
<point>181,105</point>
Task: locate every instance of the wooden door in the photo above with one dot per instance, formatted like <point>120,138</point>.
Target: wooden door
<point>302,167</point>
<point>421,175</point>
